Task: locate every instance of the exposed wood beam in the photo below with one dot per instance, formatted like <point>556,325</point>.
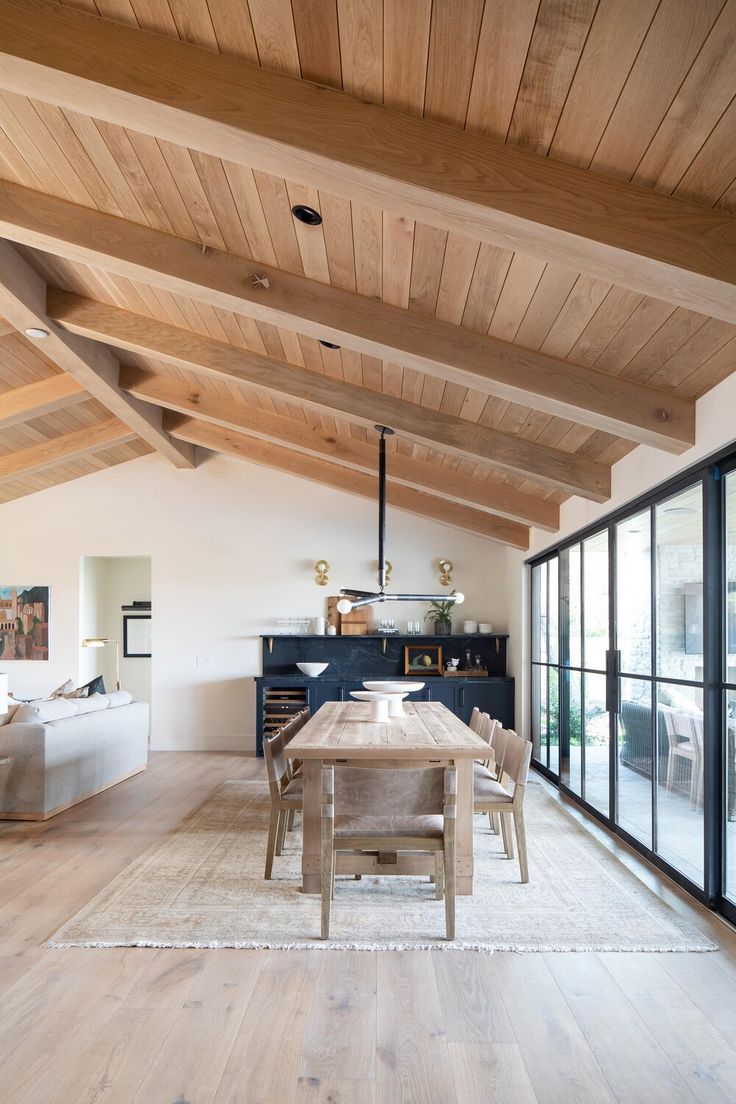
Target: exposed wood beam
<point>60,450</point>
<point>424,170</point>
<point>206,404</point>
<point>5,328</point>
<point>429,427</point>
<point>23,302</point>
<point>36,399</point>
<point>347,479</point>
<point>619,406</point>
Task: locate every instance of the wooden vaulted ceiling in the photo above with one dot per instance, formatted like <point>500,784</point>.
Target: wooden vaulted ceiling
<point>524,314</point>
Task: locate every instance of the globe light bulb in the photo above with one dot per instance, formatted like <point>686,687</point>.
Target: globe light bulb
<point>459,597</point>
<point>344,605</point>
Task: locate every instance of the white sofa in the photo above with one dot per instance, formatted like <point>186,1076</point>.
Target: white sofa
<point>63,751</point>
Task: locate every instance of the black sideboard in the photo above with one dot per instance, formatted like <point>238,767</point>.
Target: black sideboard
<point>283,689</point>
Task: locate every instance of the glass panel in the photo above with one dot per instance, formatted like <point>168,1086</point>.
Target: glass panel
<point>595,600</point>
<point>680,779</point>
<point>570,566</point>
<point>575,780</point>
<point>554,720</point>
<point>635,761</point>
<point>633,594</point>
<point>552,586</point>
<point>730,532</point>
<point>539,615</point>
<point>679,535</point>
<point>597,741</point>
<point>730,863</point>
<point>539,713</point>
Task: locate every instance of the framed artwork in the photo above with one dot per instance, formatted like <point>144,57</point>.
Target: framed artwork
<point>24,622</point>
<point>424,659</point>
<point>136,637</point>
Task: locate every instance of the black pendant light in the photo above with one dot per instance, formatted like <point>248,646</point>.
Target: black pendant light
<point>352,599</point>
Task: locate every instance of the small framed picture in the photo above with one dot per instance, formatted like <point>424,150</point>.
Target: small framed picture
<point>422,659</point>
<point>136,637</point>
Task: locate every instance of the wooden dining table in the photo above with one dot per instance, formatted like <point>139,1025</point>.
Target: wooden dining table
<point>428,732</point>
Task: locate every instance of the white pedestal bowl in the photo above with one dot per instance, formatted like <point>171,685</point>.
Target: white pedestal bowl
<point>380,703</point>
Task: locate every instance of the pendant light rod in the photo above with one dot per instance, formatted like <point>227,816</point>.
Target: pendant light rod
<point>384,431</point>
<point>350,598</point>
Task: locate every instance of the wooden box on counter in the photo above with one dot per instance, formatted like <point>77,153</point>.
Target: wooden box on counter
<point>356,623</point>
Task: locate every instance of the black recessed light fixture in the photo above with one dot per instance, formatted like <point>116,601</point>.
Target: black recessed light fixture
<point>328,344</point>
<point>307,215</point>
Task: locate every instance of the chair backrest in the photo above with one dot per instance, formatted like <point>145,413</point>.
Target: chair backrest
<point>516,758</point>
<point>391,790</point>
<point>488,727</point>
<point>476,720</point>
<point>294,725</point>
<point>499,739</point>
<point>277,766</point>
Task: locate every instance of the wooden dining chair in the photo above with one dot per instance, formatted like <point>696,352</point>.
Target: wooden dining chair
<point>492,796</point>
<point>286,795</point>
<point>476,720</point>
<point>289,731</point>
<point>392,807</point>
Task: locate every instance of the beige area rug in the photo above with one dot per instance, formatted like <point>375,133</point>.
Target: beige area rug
<point>203,887</point>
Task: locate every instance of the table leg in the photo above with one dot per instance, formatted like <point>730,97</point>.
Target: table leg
<point>464,830</point>
<point>312,773</point>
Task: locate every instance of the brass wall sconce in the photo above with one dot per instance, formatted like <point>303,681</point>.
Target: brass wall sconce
<point>389,569</point>
<point>321,567</point>
<point>446,569</point>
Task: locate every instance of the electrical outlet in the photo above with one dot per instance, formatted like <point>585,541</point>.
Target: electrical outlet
<point>203,661</point>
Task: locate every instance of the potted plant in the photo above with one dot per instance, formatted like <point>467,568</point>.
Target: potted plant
<point>440,612</point>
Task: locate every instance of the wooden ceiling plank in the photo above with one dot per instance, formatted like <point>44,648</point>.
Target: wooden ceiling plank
<point>188,350</point>
<point>452,353</point>
<point>58,450</point>
<point>677,33</point>
<point>616,35</point>
<point>554,52</point>
<point>23,301</point>
<point>201,402</point>
<point>503,46</point>
<point>224,107</point>
<point>348,479</point>
<point>36,399</point>
<point>699,103</point>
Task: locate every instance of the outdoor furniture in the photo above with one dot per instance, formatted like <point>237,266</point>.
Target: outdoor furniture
<point>399,806</point>
<point>684,745</point>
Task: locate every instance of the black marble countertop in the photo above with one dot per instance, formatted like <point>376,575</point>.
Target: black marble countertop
<point>298,677</point>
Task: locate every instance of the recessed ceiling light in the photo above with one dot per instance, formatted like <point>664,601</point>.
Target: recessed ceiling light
<point>328,344</point>
<point>36,331</point>
<point>307,215</point>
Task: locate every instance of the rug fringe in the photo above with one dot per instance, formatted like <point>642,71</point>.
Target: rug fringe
<point>340,945</point>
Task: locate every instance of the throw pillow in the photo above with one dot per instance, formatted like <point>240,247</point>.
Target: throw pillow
<point>6,718</point>
<point>62,691</point>
<point>94,686</point>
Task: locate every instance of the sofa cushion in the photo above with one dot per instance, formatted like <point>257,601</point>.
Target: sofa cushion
<point>118,697</point>
<point>44,710</point>
<point>6,718</point>
<point>93,703</point>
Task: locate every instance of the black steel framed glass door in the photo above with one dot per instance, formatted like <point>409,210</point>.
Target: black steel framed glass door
<point>585,733</point>
<point>625,710</point>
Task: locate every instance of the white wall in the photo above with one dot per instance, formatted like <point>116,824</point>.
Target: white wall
<point>109,583</point>
<point>634,475</point>
<point>232,547</point>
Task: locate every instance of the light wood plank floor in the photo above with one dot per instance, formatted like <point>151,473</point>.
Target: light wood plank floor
<point>134,1026</point>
